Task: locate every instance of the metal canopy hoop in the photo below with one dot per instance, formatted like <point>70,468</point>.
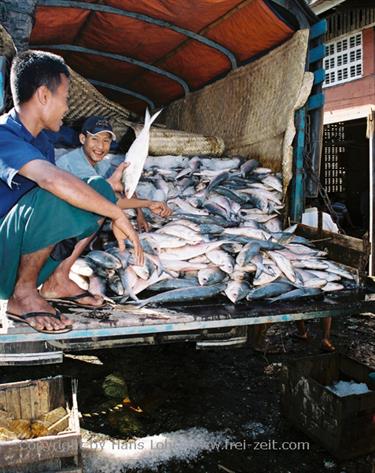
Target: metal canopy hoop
<point>141,17</point>
<point>117,57</point>
<point>123,90</point>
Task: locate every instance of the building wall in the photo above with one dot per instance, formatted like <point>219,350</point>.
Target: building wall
<point>360,91</point>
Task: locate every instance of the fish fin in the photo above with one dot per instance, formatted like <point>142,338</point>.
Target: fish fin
<point>258,271</point>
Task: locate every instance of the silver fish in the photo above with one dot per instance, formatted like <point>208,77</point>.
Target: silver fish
<point>298,294</point>
<point>332,286</point>
<point>270,290</point>
<point>270,274</point>
<point>208,276</point>
<point>283,264</point>
<point>223,176</point>
<point>237,291</point>
<point>104,259</point>
<point>136,156</point>
<point>221,259</point>
<point>181,231</point>
<point>173,283</point>
<point>191,251</point>
<point>128,281</point>
<point>193,293</point>
<point>81,267</point>
<point>116,285</point>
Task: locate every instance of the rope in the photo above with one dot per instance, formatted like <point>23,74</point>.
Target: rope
<point>126,403</point>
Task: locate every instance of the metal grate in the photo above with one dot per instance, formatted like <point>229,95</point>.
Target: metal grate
<point>333,172</point>
<point>343,61</point>
<point>349,19</point>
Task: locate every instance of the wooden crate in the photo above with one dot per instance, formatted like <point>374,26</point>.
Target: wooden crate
<point>345,426</point>
<point>53,453</point>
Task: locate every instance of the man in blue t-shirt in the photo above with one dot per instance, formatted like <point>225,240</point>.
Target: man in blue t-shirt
<point>41,206</point>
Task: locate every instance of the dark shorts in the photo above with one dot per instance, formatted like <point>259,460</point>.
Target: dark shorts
<point>38,220</point>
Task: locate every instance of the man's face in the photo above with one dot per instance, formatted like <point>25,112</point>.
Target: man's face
<point>56,105</point>
<point>97,146</point>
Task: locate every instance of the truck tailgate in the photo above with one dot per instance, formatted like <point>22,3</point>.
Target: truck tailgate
<point>127,325</point>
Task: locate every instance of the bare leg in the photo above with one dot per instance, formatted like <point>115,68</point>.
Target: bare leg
<point>25,297</point>
<point>326,340</point>
<point>260,332</point>
<point>302,331</point>
<point>59,285</point>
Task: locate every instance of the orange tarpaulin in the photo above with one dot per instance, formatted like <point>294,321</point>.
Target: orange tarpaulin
<point>245,29</point>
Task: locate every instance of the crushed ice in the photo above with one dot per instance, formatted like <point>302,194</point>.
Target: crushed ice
<point>347,388</point>
<point>102,454</point>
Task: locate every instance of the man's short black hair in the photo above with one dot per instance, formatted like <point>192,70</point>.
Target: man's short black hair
<point>32,69</point>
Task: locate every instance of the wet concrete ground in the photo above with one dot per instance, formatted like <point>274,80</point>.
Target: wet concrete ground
<point>233,391</point>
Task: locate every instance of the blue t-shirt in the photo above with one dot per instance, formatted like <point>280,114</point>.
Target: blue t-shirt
<point>17,147</point>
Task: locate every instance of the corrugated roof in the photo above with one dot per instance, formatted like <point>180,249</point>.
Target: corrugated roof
<point>157,49</point>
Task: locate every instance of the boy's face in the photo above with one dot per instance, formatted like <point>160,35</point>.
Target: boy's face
<point>97,146</point>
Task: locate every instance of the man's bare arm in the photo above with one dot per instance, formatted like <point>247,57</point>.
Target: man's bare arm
<point>77,193</point>
<point>68,188</point>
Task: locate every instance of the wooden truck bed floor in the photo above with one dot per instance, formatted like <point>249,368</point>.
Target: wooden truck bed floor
<point>124,325</point>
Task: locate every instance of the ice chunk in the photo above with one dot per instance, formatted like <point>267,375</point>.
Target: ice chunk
<point>347,388</point>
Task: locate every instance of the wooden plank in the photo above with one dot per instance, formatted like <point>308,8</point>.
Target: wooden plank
<point>13,403</point>
<point>27,400</point>
<point>371,137</point>
<point>3,400</point>
<point>319,76</point>
<point>297,193</point>
<point>315,102</point>
<point>336,238</point>
<point>319,29</point>
<point>43,393</point>
<point>56,396</point>
<point>316,54</point>
<point>39,449</point>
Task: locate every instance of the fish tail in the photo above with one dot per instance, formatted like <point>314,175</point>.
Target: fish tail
<point>142,303</point>
<point>149,120</point>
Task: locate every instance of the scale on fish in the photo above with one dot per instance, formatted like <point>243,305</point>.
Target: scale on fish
<point>136,156</point>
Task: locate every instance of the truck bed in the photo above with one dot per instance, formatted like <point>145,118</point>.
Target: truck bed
<point>127,325</point>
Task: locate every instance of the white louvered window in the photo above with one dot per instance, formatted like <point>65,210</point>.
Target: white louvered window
<point>343,60</point>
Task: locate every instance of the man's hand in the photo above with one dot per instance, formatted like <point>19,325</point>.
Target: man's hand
<point>160,208</point>
<point>122,229</point>
<point>115,180</point>
<point>143,225</point>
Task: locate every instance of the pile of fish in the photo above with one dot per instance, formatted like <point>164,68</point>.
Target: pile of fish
<point>224,237</point>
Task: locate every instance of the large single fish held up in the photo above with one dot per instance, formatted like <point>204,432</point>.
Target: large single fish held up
<point>136,156</point>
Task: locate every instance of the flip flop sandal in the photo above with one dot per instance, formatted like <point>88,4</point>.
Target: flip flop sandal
<point>73,300</point>
<point>301,338</point>
<point>24,319</point>
<point>327,347</point>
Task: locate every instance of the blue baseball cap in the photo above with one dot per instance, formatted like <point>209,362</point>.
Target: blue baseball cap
<point>94,125</point>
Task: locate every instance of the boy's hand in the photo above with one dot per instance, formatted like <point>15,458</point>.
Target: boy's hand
<point>160,208</point>
<point>115,180</point>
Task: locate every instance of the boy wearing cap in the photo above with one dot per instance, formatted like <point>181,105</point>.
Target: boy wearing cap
<point>96,138</point>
